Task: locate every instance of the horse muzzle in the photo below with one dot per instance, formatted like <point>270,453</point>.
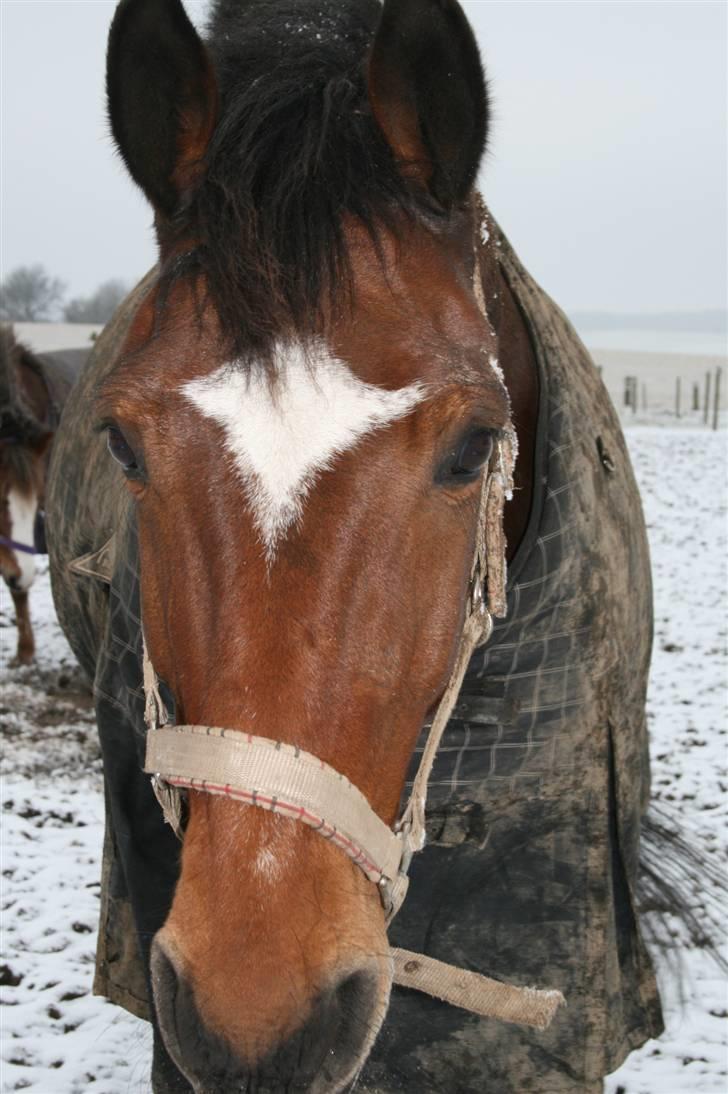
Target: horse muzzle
<point>322,1056</point>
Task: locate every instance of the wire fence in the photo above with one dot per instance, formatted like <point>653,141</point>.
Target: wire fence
<point>690,401</point>
<point>649,388</point>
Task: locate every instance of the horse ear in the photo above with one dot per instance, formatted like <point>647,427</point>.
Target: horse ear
<point>162,98</point>
<point>428,94</point>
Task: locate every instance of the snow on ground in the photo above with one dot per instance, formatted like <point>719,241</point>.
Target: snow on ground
<point>59,1039</point>
<point>682,477</point>
<point>56,1036</point>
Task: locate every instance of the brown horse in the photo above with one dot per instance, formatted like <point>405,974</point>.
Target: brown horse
<point>32,391</point>
<point>300,404</point>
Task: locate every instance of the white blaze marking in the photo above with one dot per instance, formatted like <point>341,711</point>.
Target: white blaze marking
<point>22,519</point>
<point>283,437</point>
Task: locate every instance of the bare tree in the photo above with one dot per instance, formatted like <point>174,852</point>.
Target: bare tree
<point>97,308</point>
<point>29,293</point>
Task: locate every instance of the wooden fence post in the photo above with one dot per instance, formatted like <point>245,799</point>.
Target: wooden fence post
<point>716,397</point>
<point>677,397</point>
<point>696,397</point>
<point>706,405</point>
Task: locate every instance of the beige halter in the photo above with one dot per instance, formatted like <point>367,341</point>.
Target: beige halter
<point>294,783</point>
<point>286,780</point>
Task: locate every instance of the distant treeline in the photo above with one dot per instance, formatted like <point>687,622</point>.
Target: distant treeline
<point>702,322</point>
<point>30,293</point>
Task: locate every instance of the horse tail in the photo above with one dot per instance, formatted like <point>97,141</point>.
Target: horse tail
<point>682,891</point>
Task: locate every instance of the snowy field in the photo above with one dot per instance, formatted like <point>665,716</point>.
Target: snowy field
<point>58,1039</point>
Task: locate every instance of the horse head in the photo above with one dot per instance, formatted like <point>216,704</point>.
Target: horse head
<point>24,440</point>
<point>303,411</point>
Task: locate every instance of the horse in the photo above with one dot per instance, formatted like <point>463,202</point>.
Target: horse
<point>267,507</point>
<point>33,389</point>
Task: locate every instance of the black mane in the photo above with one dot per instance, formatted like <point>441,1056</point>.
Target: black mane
<point>296,148</point>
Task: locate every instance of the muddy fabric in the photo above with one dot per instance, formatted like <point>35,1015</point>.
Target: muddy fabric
<point>536,797</point>
<point>61,369</point>
<point>94,571</point>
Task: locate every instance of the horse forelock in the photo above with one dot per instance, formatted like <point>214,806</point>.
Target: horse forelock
<point>295,154</point>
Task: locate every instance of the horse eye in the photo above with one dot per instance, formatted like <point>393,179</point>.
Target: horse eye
<point>120,449</point>
<point>465,463</point>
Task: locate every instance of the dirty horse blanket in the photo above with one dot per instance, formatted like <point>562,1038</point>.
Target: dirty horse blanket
<point>542,777</point>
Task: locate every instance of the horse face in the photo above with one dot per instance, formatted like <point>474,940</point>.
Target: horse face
<point>306,522</point>
<point>22,469</point>
<point>306,542</point>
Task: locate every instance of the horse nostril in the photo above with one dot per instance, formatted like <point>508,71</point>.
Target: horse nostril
<point>354,1005</point>
<point>174,1003</point>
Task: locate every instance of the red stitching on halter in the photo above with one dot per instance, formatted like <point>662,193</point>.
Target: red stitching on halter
<point>273,805</point>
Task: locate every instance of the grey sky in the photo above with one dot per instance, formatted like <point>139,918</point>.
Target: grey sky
<point>607,164</point>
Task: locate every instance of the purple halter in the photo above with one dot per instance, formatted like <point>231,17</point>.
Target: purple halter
<point>13,544</point>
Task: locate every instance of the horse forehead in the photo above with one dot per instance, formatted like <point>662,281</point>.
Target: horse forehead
<point>282,435</point>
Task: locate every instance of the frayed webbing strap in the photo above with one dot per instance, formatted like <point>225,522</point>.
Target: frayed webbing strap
<point>155,717</point>
<point>475,992</point>
<point>487,598</point>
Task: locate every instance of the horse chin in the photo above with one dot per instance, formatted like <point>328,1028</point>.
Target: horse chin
<point>322,1055</point>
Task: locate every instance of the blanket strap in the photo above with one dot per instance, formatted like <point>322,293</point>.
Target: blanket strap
<point>474,992</point>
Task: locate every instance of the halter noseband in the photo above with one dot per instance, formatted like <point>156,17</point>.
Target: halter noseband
<point>14,545</point>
